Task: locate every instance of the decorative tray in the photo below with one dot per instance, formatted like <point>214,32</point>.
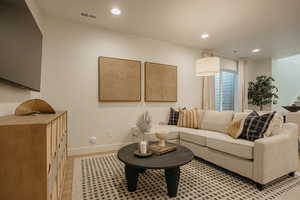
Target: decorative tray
<point>159,150</point>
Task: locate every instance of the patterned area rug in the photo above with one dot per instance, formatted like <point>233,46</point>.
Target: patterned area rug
<point>102,178</point>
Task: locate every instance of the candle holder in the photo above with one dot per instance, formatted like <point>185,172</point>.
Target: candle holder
<point>143,146</point>
<point>143,150</point>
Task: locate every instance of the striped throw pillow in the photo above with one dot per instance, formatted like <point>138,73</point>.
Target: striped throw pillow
<point>188,118</point>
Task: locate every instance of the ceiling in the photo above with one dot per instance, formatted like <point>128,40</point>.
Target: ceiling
<point>234,25</point>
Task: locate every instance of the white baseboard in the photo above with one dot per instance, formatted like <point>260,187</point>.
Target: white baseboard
<point>96,149</point>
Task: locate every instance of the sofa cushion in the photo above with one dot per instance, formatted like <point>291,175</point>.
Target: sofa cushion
<point>225,143</point>
<point>218,141</point>
<point>196,136</point>
<point>217,121</point>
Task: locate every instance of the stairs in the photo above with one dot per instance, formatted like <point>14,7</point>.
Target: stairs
<point>297,101</point>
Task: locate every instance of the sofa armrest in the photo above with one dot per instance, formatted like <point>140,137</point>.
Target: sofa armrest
<point>277,155</point>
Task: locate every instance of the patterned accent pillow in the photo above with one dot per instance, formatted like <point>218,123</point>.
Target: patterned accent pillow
<point>256,125</point>
<point>173,117</point>
<point>188,118</point>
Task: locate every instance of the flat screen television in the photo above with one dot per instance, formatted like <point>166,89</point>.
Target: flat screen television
<point>20,45</point>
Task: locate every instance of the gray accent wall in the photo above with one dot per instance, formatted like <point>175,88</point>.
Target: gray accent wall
<point>10,96</point>
<point>21,45</point>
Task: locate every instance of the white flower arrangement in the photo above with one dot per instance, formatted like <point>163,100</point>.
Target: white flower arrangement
<point>144,123</point>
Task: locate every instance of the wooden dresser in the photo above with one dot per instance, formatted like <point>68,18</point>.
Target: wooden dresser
<point>33,153</point>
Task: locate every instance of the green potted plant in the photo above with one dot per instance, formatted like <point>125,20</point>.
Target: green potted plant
<point>262,91</point>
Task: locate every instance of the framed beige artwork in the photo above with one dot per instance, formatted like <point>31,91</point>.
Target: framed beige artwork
<point>119,80</point>
<point>160,82</point>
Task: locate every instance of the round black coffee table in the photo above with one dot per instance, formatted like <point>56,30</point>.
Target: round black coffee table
<point>170,162</point>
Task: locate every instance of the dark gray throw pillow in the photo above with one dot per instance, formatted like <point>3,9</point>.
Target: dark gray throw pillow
<point>256,125</point>
<point>173,117</point>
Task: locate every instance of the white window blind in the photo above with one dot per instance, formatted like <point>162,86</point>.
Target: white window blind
<point>225,90</point>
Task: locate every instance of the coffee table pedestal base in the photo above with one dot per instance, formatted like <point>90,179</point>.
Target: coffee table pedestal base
<point>172,176</point>
<point>132,176</point>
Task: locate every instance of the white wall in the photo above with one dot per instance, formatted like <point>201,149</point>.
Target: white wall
<point>70,81</point>
<point>11,97</point>
<point>286,72</point>
<point>259,68</point>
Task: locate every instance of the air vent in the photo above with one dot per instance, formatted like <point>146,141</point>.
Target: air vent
<point>88,15</point>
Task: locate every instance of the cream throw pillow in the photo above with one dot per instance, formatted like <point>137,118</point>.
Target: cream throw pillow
<point>188,118</point>
<point>274,126</point>
<point>235,128</point>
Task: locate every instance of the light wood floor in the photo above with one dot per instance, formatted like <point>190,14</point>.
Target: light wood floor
<point>67,191</point>
<point>68,180</point>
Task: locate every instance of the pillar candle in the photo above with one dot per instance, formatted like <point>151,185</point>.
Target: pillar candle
<point>143,147</point>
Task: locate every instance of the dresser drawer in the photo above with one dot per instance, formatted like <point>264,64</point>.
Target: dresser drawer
<point>59,180</point>
<point>54,194</point>
<point>59,131</point>
<point>49,147</point>
<point>54,137</point>
<point>64,123</point>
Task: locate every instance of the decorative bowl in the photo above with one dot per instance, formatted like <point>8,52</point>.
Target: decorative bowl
<point>161,135</point>
<point>162,138</point>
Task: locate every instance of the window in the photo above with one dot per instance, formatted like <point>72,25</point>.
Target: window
<point>225,90</point>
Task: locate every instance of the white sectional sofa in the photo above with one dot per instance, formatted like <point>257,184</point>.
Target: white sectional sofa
<point>263,160</point>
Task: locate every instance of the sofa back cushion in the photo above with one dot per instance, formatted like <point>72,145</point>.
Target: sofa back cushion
<point>240,115</point>
<point>200,113</point>
<point>217,121</point>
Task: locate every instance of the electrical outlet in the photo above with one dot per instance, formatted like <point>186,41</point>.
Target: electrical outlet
<point>92,140</point>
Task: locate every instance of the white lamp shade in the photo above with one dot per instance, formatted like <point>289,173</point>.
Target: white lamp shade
<point>208,66</point>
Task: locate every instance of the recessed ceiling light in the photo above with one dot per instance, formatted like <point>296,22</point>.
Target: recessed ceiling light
<point>205,36</point>
<point>115,11</point>
<point>256,50</point>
